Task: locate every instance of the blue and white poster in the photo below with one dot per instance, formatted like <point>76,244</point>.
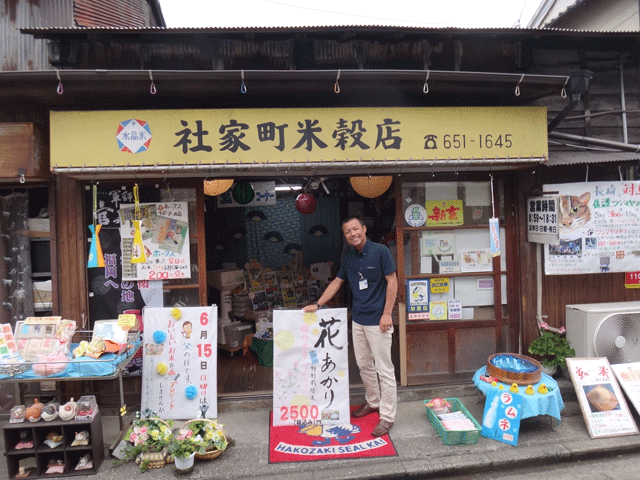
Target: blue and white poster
<point>501,420</point>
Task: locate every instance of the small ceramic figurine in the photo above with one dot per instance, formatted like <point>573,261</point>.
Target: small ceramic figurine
<point>25,440</point>
<point>543,389</point>
<point>85,463</point>
<point>81,438</point>
<point>54,439</point>
<point>17,414</point>
<point>68,410</point>
<point>50,411</point>
<point>529,390</point>
<point>514,388</point>
<point>55,465</point>
<point>34,412</point>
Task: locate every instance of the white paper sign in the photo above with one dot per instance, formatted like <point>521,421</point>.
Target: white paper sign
<point>310,367</point>
<point>601,400</point>
<point>180,361</point>
<point>628,375</point>
<point>164,229</point>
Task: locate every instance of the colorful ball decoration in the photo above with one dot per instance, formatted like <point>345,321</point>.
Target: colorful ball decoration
<point>162,368</point>
<point>190,392</point>
<point>159,336</point>
<point>371,187</point>
<point>243,193</point>
<point>217,186</point>
<point>306,203</point>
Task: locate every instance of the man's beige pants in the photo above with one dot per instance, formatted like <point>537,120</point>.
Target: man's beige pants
<point>372,349</point>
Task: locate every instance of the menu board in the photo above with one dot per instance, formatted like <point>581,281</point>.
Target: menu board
<point>179,374</point>
<point>601,400</point>
<point>310,367</point>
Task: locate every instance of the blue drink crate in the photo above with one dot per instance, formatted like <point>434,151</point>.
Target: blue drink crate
<point>454,437</point>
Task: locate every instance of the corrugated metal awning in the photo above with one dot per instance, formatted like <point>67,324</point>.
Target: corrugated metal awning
<point>576,158</point>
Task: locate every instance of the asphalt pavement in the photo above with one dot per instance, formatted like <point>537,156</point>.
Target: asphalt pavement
<point>421,453</point>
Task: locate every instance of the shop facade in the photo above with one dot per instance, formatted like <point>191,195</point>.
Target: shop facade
<point>469,142</point>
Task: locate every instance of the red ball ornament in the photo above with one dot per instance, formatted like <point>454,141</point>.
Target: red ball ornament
<point>306,203</point>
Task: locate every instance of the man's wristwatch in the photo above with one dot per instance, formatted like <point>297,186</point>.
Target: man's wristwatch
<point>317,304</point>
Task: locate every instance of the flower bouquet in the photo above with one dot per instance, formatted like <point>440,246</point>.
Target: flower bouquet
<point>210,436</point>
<point>148,435</point>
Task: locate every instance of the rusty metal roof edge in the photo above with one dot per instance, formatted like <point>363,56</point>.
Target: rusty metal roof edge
<point>318,29</point>
<point>433,75</point>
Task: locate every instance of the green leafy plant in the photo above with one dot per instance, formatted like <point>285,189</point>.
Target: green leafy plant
<point>185,444</point>
<point>552,347</point>
<point>210,432</point>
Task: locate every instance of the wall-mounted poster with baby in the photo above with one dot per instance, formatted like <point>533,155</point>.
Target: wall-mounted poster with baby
<point>179,374</point>
<point>603,406</point>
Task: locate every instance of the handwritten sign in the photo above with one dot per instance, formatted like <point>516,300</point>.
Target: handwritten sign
<point>502,414</point>
<point>601,400</point>
<point>444,213</point>
<point>599,224</point>
<point>310,367</point>
<point>165,235</point>
<point>179,374</point>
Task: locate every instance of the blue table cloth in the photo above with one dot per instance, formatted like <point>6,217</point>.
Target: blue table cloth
<point>532,405</point>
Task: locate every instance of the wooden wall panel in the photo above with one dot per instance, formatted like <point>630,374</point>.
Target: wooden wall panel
<point>71,250</point>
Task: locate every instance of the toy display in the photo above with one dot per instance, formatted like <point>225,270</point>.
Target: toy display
<point>55,465</point>
<point>25,466</point>
<point>85,463</point>
<point>17,414</point>
<point>438,405</point>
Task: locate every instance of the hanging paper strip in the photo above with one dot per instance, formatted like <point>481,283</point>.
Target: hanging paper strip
<point>96,259</point>
<point>137,249</point>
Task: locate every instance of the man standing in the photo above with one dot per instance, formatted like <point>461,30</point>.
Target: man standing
<point>371,274</point>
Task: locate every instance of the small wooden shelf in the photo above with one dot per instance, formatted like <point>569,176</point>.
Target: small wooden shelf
<point>65,452</point>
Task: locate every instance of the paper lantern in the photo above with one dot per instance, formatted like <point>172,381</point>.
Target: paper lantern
<point>371,187</point>
<point>217,186</point>
<point>243,193</point>
<point>306,203</point>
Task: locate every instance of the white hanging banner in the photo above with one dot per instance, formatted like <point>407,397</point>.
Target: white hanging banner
<point>179,373</point>
<point>164,230</point>
<point>310,367</point>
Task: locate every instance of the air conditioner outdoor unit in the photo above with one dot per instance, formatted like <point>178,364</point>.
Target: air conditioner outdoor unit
<point>609,330</point>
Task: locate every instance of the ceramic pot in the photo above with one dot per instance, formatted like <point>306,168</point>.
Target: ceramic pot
<point>185,465</point>
<point>551,371</point>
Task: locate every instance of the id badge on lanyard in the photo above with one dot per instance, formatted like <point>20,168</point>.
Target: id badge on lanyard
<point>363,282</point>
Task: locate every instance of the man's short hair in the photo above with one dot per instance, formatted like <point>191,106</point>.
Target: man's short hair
<point>348,219</point>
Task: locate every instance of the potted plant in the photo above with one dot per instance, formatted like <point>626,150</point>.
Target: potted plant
<point>183,448</point>
<point>552,347</point>
<point>147,436</point>
<point>211,435</point>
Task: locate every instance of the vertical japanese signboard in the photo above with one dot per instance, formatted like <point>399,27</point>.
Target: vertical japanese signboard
<point>602,403</point>
<point>164,228</point>
<point>310,367</point>
<point>179,375</point>
<point>542,220</point>
<point>502,414</point>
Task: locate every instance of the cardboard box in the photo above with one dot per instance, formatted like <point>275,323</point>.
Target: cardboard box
<point>225,279</point>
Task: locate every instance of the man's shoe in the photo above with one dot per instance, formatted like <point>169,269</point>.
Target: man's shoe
<point>382,428</point>
<point>363,410</point>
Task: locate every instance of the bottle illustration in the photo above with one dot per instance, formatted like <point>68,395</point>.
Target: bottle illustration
<point>490,417</point>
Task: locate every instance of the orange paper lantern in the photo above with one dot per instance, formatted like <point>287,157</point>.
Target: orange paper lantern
<point>217,186</point>
<point>371,187</point>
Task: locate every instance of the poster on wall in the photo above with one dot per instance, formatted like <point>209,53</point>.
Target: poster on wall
<point>310,367</point>
<point>165,235</point>
<point>180,362</point>
<point>599,224</point>
<point>602,403</point>
<point>628,375</point>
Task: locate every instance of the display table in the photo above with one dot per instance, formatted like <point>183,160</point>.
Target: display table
<point>532,405</point>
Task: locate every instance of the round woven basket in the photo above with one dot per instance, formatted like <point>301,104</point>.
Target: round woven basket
<point>528,373</point>
<point>209,454</point>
